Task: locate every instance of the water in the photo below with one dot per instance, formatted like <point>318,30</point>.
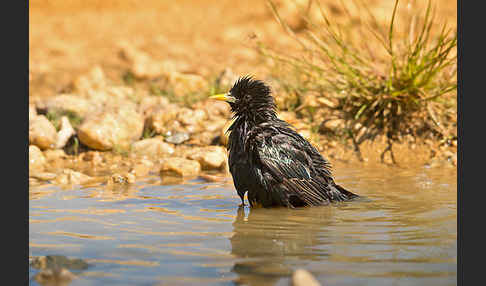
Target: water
<point>153,233</point>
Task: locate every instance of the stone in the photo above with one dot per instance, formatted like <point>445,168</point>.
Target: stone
<point>331,125</point>
<point>329,102</point>
<point>53,155</point>
<point>142,169</point>
<point>71,177</point>
<point>70,103</point>
<point>181,167</point>
<point>118,127</point>
<point>152,147</point>
<point>54,277</point>
<point>66,132</point>
<point>177,138</point>
<point>183,84</point>
<point>163,120</point>
<point>93,79</point>
<point>149,104</point>
<point>93,157</point>
<point>43,176</point>
<point>302,277</point>
<point>211,157</point>
<point>37,160</point>
<point>128,178</point>
<point>42,133</point>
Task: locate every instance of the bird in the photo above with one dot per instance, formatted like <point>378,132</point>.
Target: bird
<point>268,159</point>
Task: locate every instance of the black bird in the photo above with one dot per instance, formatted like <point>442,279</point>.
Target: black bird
<point>271,161</point>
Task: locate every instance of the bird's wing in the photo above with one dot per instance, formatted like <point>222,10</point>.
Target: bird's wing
<point>286,169</point>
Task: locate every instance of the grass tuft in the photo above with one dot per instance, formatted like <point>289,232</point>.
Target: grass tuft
<point>400,91</point>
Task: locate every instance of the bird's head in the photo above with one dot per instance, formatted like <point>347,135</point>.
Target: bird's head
<point>249,96</point>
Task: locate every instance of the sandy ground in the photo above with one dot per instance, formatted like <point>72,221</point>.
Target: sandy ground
<point>202,37</point>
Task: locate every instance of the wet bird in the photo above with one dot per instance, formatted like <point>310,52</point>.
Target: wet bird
<point>269,159</point>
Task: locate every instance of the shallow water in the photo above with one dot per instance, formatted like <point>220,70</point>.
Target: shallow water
<point>155,233</point>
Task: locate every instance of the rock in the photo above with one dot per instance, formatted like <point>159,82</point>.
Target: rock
<point>70,103</point>
<point>215,125</point>
<point>94,79</point>
<point>142,65</point>
<point>188,116</point>
<point>153,147</point>
<point>37,160</point>
<point>70,177</point>
<point>163,120</point>
<point>149,104</point>
<point>182,84</point>
<point>116,127</point>
<point>32,112</point>
<point>180,167</point>
<point>53,155</point>
<point>92,156</point>
<point>42,176</point>
<point>329,102</point>
<point>128,178</point>
<point>42,133</point>
<point>54,277</point>
<point>211,157</point>
<point>302,277</point>
<point>177,138</point>
<point>142,168</point>
<point>58,261</point>
<point>331,125</point>
<point>65,133</point>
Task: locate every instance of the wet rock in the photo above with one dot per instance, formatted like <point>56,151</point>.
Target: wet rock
<point>42,133</point>
<point>54,277</point>
<point>58,261</point>
<point>153,147</point>
<point>71,177</point>
<point>116,127</point>
<point>37,160</point>
<point>180,167</point>
<point>93,157</point>
<point>42,176</point>
<point>303,277</point>
<point>211,157</point>
<point>66,132</point>
<point>128,178</point>
<point>142,168</point>
<point>177,137</point>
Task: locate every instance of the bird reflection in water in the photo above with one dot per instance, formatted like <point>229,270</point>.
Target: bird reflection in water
<point>271,243</point>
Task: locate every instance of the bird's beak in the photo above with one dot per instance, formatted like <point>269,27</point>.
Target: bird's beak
<point>223,97</point>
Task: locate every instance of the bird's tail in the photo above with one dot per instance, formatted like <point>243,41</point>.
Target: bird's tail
<point>345,192</point>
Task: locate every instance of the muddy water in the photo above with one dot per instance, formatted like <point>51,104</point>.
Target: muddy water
<point>168,233</point>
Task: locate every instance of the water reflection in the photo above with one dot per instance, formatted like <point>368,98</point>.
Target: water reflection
<point>270,242</point>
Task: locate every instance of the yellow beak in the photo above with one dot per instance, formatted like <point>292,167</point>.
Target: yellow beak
<point>223,97</point>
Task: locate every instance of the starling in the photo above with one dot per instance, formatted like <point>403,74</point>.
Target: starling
<point>269,159</point>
